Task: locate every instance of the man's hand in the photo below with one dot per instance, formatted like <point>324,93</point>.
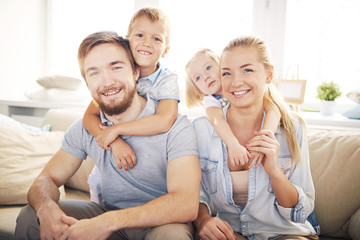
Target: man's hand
<point>87,229</point>
<point>213,228</point>
<point>51,225</point>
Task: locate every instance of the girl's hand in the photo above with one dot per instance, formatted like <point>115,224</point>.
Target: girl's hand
<point>124,154</point>
<point>106,136</point>
<point>214,228</point>
<point>238,154</point>
<point>265,142</point>
<point>256,159</point>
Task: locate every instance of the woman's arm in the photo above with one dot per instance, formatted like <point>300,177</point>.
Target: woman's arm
<point>237,153</point>
<point>266,143</point>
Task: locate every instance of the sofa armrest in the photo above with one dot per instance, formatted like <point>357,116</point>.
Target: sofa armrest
<point>61,119</point>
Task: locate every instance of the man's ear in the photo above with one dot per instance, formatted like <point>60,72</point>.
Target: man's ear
<point>270,75</point>
<point>165,51</point>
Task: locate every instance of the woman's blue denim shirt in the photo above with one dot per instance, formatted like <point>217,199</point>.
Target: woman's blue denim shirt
<point>262,217</point>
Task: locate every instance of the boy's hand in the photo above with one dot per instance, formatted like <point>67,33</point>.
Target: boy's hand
<point>238,154</point>
<point>106,136</point>
<point>123,153</point>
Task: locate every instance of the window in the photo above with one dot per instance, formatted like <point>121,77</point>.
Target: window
<point>71,21</point>
<point>322,41</point>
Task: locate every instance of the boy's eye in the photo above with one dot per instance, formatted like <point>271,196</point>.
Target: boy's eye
<point>208,68</point>
<point>138,35</point>
<point>157,39</point>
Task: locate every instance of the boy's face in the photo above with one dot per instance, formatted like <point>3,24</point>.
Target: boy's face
<point>148,42</point>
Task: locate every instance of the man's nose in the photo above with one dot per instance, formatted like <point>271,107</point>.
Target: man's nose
<point>107,78</point>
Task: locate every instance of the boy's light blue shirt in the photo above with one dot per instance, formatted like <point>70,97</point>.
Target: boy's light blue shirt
<point>262,217</point>
<point>162,84</point>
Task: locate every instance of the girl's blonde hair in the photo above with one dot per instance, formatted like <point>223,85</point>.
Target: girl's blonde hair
<point>154,15</point>
<point>271,94</point>
<point>193,95</point>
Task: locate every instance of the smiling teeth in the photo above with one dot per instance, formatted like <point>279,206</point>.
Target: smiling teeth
<point>111,93</point>
<point>144,53</point>
<point>241,92</point>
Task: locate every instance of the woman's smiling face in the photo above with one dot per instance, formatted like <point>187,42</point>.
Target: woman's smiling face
<point>243,77</point>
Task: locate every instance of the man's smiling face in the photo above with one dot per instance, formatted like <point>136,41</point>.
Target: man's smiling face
<point>110,78</point>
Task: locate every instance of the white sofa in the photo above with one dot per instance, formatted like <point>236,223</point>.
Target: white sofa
<point>334,156</point>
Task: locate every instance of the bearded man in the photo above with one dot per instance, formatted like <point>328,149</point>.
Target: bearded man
<point>158,199</point>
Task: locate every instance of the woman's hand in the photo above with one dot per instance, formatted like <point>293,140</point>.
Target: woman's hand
<point>213,228</point>
<point>265,142</point>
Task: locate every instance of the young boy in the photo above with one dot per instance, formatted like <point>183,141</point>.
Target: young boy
<point>149,37</point>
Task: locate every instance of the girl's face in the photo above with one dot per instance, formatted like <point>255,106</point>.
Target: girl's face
<point>205,73</point>
<point>243,77</point>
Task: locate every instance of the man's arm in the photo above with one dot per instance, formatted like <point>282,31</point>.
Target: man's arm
<point>44,193</point>
<point>180,205</point>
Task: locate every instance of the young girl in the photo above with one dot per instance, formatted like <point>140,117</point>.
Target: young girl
<point>273,200</point>
<point>203,86</point>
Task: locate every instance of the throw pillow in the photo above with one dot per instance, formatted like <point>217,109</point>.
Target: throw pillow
<point>23,154</point>
<point>8,121</point>
<point>58,81</point>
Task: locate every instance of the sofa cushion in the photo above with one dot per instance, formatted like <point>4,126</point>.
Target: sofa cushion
<point>23,154</point>
<point>335,167</point>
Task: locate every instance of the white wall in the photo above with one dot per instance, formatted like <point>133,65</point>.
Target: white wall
<point>22,45</point>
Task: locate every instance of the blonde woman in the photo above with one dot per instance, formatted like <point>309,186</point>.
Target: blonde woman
<point>273,200</point>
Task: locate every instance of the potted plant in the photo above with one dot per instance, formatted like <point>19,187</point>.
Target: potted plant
<point>327,92</point>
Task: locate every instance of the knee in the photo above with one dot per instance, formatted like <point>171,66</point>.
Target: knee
<point>175,231</point>
<point>27,225</point>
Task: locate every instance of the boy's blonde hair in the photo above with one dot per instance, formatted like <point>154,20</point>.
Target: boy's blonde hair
<point>193,95</point>
<point>154,15</point>
<point>271,95</point>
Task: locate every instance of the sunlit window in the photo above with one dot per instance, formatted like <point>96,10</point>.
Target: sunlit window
<point>322,42</point>
<point>71,21</point>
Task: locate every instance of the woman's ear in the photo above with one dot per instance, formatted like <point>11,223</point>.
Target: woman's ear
<point>270,75</point>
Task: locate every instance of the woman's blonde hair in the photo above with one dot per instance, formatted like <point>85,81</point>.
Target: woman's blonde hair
<point>193,95</point>
<point>271,94</point>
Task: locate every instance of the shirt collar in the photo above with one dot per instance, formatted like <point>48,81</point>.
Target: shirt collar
<point>153,77</point>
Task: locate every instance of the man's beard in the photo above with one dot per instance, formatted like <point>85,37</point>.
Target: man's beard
<point>120,107</point>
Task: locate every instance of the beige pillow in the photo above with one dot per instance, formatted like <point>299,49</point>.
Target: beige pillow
<point>58,81</point>
<point>335,167</point>
<point>23,154</point>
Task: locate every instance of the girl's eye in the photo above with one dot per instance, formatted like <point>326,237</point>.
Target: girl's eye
<point>157,39</point>
<point>197,78</point>
<point>208,68</point>
<point>247,70</point>
<point>225,74</point>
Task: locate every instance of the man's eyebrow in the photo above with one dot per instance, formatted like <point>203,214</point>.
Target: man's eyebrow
<point>117,62</point>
